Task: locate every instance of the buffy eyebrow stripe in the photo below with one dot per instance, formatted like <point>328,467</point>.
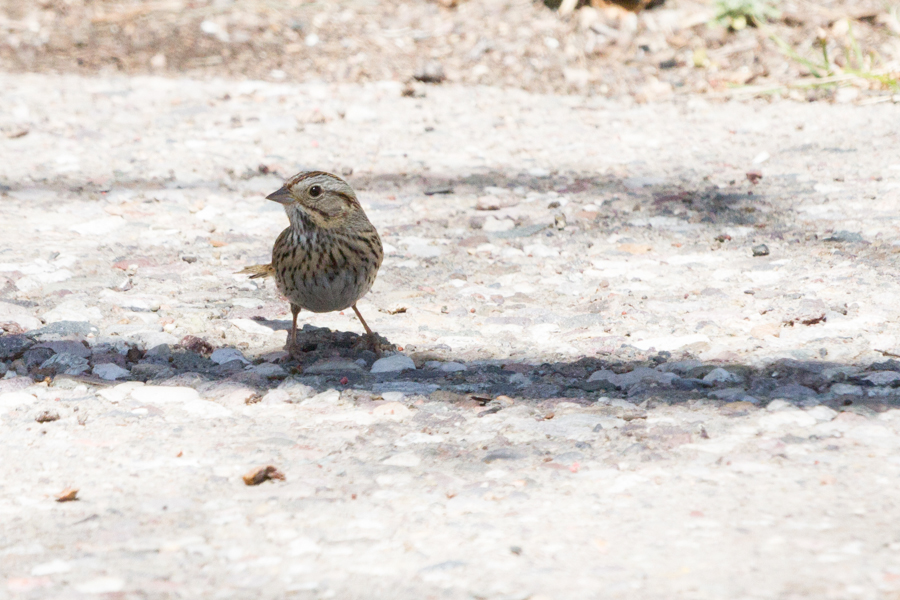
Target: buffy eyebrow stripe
<point>344,197</point>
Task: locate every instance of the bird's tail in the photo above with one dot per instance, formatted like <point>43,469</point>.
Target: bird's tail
<point>256,271</point>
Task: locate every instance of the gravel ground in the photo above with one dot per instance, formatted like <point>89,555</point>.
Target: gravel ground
<point>678,48</point>
<point>647,350</point>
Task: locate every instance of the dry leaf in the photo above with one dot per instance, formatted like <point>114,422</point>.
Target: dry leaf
<point>260,474</point>
<point>68,495</point>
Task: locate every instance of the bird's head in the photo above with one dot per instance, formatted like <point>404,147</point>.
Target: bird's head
<point>315,199</point>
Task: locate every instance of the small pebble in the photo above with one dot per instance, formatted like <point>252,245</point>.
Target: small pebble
<point>47,417</point>
<point>720,375</point>
<point>430,72</point>
<point>110,371</point>
<point>224,355</point>
<point>270,371</point>
<point>66,363</point>
<point>393,364</point>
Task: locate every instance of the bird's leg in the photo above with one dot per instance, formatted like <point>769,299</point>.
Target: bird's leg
<point>295,310</point>
<point>369,333</point>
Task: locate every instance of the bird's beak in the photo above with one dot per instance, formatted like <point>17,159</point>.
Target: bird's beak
<point>282,196</point>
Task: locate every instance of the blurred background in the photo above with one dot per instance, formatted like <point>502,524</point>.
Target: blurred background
<point>844,50</point>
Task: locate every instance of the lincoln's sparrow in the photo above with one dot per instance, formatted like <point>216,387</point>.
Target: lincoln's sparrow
<point>328,257</point>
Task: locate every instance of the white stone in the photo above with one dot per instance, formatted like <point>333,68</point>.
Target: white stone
<point>417,437</point>
<point>163,394</point>
<point>358,113</point>
<point>786,418</point>
<point>391,411</point>
<point>118,393</point>
<point>890,415</point>
<point>720,375</point>
<point>575,426</point>
<point>230,397</point>
<point>54,276</point>
<point>845,95</point>
<point>12,400</point>
<point>822,414</point>
<point>206,409</point>
<point>251,326</point>
<point>541,332</point>
<point>393,396</point>
<point>73,310</point>
<point>276,396</point>
<point>212,28</point>
<point>130,301</point>
<point>672,342</point>
<point>493,224</point>
<point>403,459</point>
<point>393,364</point>
<point>101,585</point>
<point>247,302</point>
<point>304,545</point>
<point>13,313</point>
<point>110,371</point>
<point>296,390</point>
<point>151,339</point>
<point>452,367</point>
<point>51,568</point>
<point>220,356</point>
<point>99,226</point>
<point>421,247</point>
<point>328,398</point>
<point>872,433</point>
<point>540,251</point>
<point>776,405</point>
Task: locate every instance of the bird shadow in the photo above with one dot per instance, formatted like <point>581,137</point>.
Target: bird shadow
<point>627,201</point>
<point>341,360</point>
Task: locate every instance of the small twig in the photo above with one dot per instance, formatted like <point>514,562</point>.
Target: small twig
<point>854,45</point>
<point>824,44</point>
<point>788,51</point>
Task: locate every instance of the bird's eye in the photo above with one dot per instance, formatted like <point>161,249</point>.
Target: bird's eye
<point>315,191</point>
